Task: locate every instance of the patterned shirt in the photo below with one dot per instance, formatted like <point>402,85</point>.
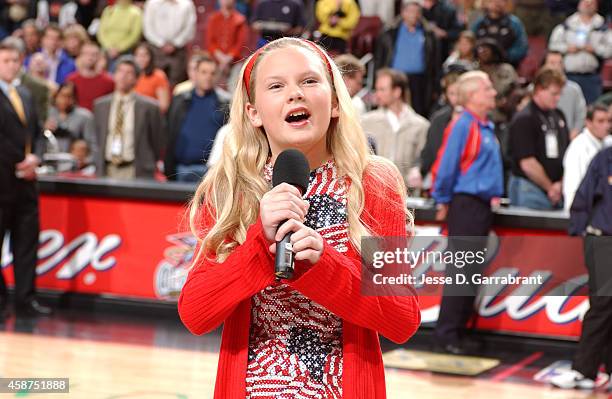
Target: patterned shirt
<point>295,345</point>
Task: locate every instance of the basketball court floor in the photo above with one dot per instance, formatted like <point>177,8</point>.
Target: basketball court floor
<point>110,356</point>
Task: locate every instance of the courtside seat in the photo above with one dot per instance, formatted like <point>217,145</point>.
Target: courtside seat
<point>364,36</point>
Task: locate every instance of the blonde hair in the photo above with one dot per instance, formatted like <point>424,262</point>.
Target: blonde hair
<point>76,31</point>
<point>233,187</point>
<point>349,65</point>
<point>469,83</point>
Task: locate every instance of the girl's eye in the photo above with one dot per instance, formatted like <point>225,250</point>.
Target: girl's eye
<point>311,81</point>
<point>274,86</point>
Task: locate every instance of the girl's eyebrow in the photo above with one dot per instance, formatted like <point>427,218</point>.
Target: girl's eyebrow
<point>301,74</point>
<point>274,78</point>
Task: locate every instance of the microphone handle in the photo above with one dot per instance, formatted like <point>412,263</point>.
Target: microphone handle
<point>283,262</point>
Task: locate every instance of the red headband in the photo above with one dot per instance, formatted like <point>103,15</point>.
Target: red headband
<point>249,68</point>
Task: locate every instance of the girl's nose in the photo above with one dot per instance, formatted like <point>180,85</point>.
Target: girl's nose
<point>296,94</point>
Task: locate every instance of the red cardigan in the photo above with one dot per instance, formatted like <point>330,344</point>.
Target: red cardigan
<point>216,293</point>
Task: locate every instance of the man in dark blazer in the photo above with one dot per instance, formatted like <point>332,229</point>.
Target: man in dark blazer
<point>18,191</point>
<point>129,128</point>
<point>38,88</point>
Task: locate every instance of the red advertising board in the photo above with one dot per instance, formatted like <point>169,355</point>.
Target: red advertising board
<point>141,250</point>
<point>542,312</point>
<point>111,246</point>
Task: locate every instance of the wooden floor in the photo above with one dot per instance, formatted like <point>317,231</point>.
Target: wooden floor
<point>106,370</point>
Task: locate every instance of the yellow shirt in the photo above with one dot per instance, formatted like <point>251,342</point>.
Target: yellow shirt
<point>120,27</point>
<point>343,29</point>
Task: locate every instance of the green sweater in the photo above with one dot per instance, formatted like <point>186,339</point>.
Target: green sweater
<point>120,27</point>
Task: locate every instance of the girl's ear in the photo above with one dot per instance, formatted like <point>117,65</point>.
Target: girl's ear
<point>335,111</point>
<point>253,115</point>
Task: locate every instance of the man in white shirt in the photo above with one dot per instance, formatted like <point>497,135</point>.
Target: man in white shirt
<point>594,137</point>
<point>398,131</point>
<point>169,25</point>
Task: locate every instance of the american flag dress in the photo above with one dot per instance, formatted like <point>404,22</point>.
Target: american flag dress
<point>295,345</point>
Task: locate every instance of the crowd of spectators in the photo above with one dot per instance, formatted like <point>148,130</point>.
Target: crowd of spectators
<point>130,91</point>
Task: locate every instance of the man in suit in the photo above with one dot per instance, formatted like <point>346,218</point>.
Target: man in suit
<point>398,131</point>
<point>18,192</point>
<point>37,87</point>
<point>129,128</point>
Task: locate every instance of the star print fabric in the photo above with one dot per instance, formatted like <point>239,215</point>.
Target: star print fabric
<point>295,345</point>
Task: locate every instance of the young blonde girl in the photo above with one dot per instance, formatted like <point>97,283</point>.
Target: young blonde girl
<point>316,335</point>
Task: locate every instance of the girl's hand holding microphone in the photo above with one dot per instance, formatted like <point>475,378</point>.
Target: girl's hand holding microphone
<point>283,206</point>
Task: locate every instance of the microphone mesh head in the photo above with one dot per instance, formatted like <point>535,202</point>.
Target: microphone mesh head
<point>291,167</point>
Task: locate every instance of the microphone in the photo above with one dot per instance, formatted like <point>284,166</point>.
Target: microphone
<point>290,167</point>
<point>53,144</point>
